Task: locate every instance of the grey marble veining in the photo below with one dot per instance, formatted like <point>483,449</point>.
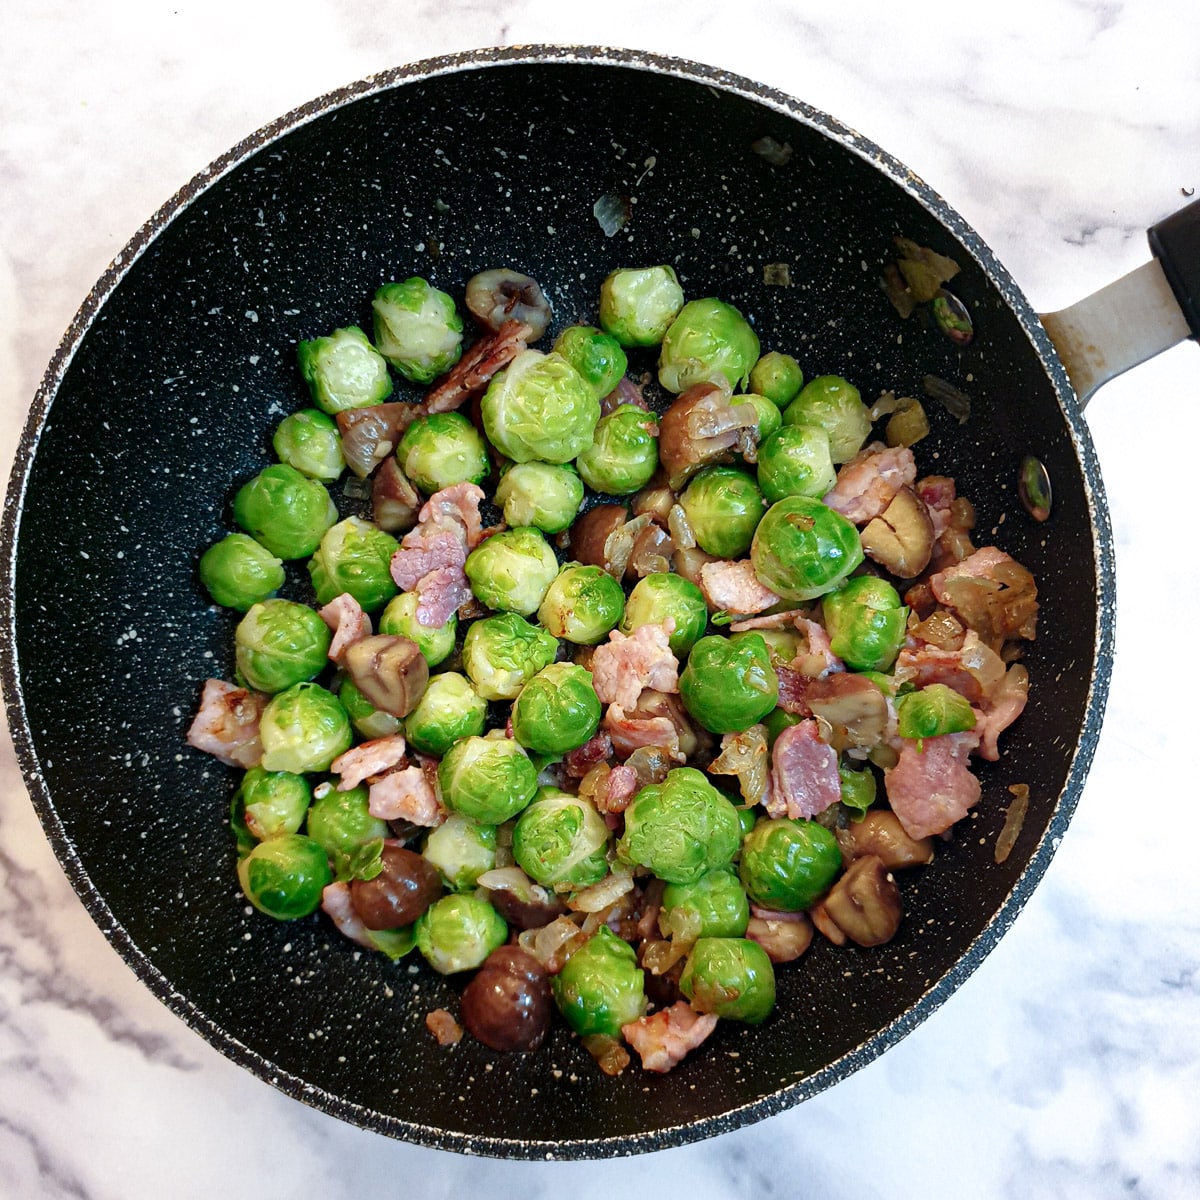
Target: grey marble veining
<point>1068,1065</point>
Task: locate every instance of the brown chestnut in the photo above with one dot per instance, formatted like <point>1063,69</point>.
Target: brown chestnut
<point>400,893</point>
<point>508,1005</point>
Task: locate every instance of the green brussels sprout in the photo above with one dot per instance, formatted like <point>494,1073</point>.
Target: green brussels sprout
<point>488,778</point>
<point>747,815</point>
<point>557,710</point>
<point>776,721</point>
<point>369,721</point>
<point>285,511</point>
<point>638,304</point>
<point>582,604</point>
<point>778,377</point>
<point>238,573</point>
<point>795,461</point>
<point>457,932</point>
<point>285,876</point>
<point>303,729</point>
<point>866,623</point>
<point>511,571</point>
<point>715,905</point>
<point>708,342</point>
<point>399,619</point>
<point>596,355</point>
<point>730,977</point>
<point>279,643</point>
<point>417,329</point>
<point>858,790</point>
<point>836,406</point>
<point>770,419</point>
<point>502,653</point>
<point>309,441</point>
<point>442,449</point>
<point>680,828</point>
<point>728,683</point>
<point>448,709</point>
<point>660,595</point>
<point>933,710</point>
<point>783,645</point>
<point>623,454</point>
<point>788,864</point>
<point>354,556</point>
<point>344,371</point>
<point>803,549</point>
<point>723,506</point>
<point>600,987</point>
<point>462,849</point>
<point>271,803</point>
<point>544,495</point>
<point>561,839</point>
<point>539,407</point>
<point>341,822</point>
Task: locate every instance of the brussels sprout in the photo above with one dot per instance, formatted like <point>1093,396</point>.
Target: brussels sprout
<point>238,573</point>
<point>399,619</point>
<point>723,506</point>
<point>728,683</point>
<point>557,710</point>
<point>279,643</point>
<point>461,849</point>
<point>309,441</point>
<point>341,822</point>
<point>778,377</point>
<point>788,864</point>
<point>836,406</point>
<point>488,778</point>
<point>596,355</point>
<point>285,876</point>
<point>858,790</point>
<point>539,407</point>
<point>708,342</point>
<point>344,371</point>
<point>285,511</point>
<point>582,604</point>
<point>512,570</point>
<point>714,906</point>
<point>795,461</point>
<point>803,549</point>
<point>442,449</point>
<point>866,623</point>
<point>638,304</point>
<point>561,839</point>
<point>730,977</point>
<point>777,721</point>
<point>600,987</point>
<point>354,556</point>
<point>271,803</point>
<point>623,454</point>
<point>770,419</point>
<point>544,495</point>
<point>933,710</point>
<point>367,720</point>
<point>449,709</point>
<point>660,595</point>
<point>457,932</point>
<point>502,653</point>
<point>680,828</point>
<point>303,729</point>
<point>417,329</point>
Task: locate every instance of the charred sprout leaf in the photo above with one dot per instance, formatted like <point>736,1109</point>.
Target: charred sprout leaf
<point>951,317</point>
<point>924,270</point>
<point>1033,486</point>
<point>613,211</point>
<point>778,154</point>
<point>956,402</point>
<point>778,274</point>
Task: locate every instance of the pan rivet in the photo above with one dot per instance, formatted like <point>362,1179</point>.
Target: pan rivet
<point>1033,486</point>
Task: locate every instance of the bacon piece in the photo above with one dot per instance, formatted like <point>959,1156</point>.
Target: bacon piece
<point>445,1029</point>
<point>932,787</point>
<point>779,620</point>
<point>938,492</point>
<point>473,372</point>
<point>868,483</point>
<point>974,670</point>
<point>816,659</point>
<point>664,1038</point>
<point>344,615</point>
<point>406,795</point>
<point>375,757</point>
<point>990,592</point>
<point>630,731</point>
<point>623,666</point>
<point>980,565</point>
<point>440,594</point>
<point>793,691</point>
<point>1004,706</point>
<point>226,724</point>
<point>337,903</point>
<point>429,547</point>
<point>619,787</point>
<point>804,772</point>
<point>459,502</point>
<point>734,587</point>
<point>578,762</point>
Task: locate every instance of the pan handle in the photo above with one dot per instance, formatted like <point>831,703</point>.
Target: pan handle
<point>1145,312</point>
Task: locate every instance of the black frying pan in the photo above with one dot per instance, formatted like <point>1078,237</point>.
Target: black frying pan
<point>162,397</point>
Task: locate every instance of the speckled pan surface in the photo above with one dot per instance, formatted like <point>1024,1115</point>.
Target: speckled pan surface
<point>162,399</point>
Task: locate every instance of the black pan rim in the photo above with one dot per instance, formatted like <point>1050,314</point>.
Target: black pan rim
<point>786,1096</point>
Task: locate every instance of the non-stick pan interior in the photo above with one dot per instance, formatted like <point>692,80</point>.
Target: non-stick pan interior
<point>168,403</point>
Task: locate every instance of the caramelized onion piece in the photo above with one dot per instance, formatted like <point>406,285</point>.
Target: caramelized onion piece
<point>656,498</point>
<point>390,671</point>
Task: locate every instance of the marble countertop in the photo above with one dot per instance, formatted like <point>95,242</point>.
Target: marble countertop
<point>1069,1063</point>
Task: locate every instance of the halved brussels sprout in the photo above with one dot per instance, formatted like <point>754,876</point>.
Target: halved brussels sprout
<point>457,932</point>
<point>836,406</point>
<point>582,604</point>
<point>729,683</point>
<point>557,710</point>
<point>354,556</point>
<point>399,619</point>
<point>544,495</point>
<point>730,977</point>
<point>285,511</point>
<point>660,595</point>
<point>638,304</point>
<point>723,506</point>
<point>778,377</point>
<point>788,864</point>
<point>600,987</point>
<point>279,643</point>
<point>623,453</point>
<point>303,729</point>
<point>708,342</point>
<point>462,849</point>
<point>449,709</point>
<point>417,329</point>
<point>795,461</point>
<point>344,371</point>
<point>512,570</point>
<point>487,778</point>
<point>596,355</point>
<point>285,876</point>
<point>561,839</point>
<point>502,653</point>
<point>309,441</point>
<point>866,623</point>
<point>803,549</point>
<point>439,450</point>
<point>238,572</point>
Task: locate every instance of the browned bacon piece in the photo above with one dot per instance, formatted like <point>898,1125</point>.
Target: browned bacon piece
<point>226,724</point>
<point>664,1038</point>
<point>473,372</point>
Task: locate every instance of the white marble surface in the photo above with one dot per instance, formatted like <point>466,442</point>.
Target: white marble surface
<point>1069,1064</point>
